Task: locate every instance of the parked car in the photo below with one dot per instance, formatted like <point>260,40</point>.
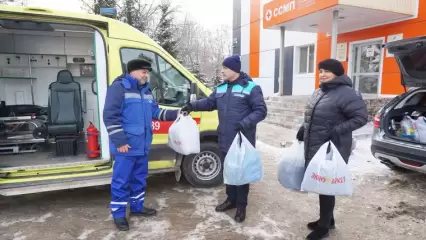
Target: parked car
<point>398,137</point>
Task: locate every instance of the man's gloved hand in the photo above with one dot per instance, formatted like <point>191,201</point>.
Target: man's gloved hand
<point>300,134</point>
<point>239,127</point>
<point>187,109</point>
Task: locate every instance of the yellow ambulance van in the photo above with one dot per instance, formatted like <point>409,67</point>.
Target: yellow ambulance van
<point>55,68</point>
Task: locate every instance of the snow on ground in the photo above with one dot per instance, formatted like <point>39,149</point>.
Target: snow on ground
<point>362,161</point>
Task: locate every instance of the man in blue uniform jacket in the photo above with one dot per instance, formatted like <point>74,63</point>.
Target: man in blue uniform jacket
<point>241,107</point>
<point>128,114</point>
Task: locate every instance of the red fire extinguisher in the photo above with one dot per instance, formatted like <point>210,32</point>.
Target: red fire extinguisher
<point>92,141</point>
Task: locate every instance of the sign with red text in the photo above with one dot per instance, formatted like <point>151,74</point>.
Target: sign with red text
<point>280,11</point>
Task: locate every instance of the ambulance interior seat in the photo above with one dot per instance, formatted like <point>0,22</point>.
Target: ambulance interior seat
<point>65,118</point>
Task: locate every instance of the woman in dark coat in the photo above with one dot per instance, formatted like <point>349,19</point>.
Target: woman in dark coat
<point>333,112</point>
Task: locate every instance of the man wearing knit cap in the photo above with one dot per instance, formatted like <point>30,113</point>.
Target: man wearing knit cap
<point>128,114</point>
<point>333,112</point>
<point>241,107</point>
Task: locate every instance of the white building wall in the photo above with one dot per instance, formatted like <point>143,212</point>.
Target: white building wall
<point>303,84</point>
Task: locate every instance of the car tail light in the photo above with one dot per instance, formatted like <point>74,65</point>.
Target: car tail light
<point>377,119</point>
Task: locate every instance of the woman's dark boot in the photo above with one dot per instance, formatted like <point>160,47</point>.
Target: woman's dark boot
<point>227,205</point>
<point>318,234</point>
<point>240,216</point>
<point>314,225</point>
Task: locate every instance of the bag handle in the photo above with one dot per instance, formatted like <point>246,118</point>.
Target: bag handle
<point>240,139</point>
<point>330,150</point>
<point>329,146</point>
<point>178,117</point>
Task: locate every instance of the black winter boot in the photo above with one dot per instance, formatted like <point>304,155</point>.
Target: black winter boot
<point>227,205</point>
<point>121,224</point>
<point>318,234</point>
<point>146,212</point>
<point>313,225</point>
<point>240,216</point>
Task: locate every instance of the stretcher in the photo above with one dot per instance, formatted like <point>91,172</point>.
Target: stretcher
<point>20,134</point>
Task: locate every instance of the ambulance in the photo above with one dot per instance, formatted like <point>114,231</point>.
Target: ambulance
<point>55,68</point>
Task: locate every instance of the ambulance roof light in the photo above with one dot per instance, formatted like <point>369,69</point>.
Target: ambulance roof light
<point>108,12</point>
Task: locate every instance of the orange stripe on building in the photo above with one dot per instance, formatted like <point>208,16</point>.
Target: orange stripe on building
<point>254,38</point>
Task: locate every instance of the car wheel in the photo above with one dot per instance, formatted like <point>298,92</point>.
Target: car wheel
<point>204,169</point>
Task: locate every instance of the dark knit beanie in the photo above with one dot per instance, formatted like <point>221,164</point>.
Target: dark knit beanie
<point>233,62</point>
<point>333,66</point>
<point>138,64</point>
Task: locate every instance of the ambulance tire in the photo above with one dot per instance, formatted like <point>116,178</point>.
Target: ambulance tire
<point>204,169</point>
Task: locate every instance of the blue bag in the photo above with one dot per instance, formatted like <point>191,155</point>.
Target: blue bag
<point>291,168</point>
<point>242,163</point>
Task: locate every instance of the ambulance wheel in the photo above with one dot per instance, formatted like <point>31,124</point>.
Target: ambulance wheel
<point>204,169</point>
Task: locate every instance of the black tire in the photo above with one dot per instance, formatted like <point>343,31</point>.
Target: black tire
<point>210,155</point>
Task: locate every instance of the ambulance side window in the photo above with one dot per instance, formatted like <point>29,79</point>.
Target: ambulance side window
<point>176,87</point>
<point>169,87</point>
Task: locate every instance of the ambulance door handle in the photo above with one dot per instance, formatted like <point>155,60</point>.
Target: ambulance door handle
<point>93,87</point>
<point>84,102</point>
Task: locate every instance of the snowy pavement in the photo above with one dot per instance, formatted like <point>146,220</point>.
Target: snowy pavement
<point>385,205</point>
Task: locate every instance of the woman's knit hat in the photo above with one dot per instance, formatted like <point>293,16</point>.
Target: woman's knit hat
<point>333,66</point>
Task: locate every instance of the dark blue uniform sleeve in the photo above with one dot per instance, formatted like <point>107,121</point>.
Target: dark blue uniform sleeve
<point>162,114</point>
<point>112,114</point>
<point>206,104</point>
<point>258,106</point>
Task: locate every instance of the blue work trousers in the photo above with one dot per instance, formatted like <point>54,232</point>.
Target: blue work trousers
<point>128,184</point>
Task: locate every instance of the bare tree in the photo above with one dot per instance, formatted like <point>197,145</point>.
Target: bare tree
<point>14,2</point>
<point>221,45</point>
<point>94,6</point>
<point>203,50</point>
<point>137,13</point>
<point>200,50</point>
<point>189,43</point>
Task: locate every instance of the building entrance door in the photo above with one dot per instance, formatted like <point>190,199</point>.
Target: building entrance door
<point>366,66</point>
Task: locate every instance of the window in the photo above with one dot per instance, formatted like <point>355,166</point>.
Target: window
<point>306,59</point>
<point>168,85</point>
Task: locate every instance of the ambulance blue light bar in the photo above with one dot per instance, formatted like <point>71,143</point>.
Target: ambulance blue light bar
<point>108,12</point>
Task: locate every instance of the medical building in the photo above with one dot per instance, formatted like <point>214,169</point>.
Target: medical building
<point>281,41</point>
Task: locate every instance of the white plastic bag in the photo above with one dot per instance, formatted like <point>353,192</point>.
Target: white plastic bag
<point>327,173</point>
<point>291,167</point>
<point>242,163</point>
<point>184,136</point>
<point>421,128</point>
<point>409,128</point>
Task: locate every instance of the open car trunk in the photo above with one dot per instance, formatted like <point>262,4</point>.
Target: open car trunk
<point>406,119</point>
<point>48,93</point>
